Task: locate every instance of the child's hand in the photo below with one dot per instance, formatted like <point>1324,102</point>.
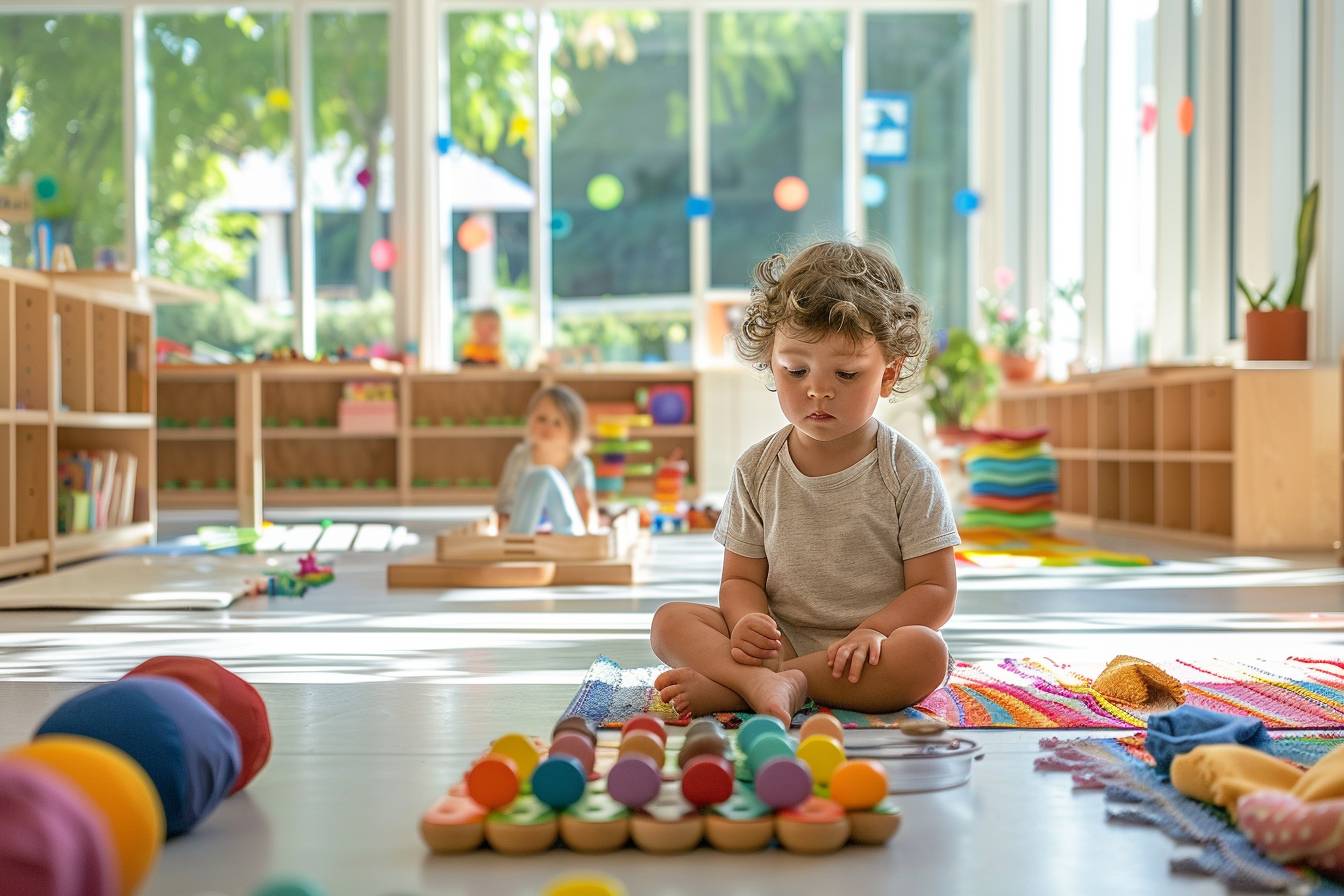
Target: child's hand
<point>851,651</point>
<point>755,639</point>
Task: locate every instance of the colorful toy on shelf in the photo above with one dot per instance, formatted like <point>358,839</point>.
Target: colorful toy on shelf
<point>670,403</point>
<point>670,515</point>
<point>614,445</point>
<point>368,408</point>
<point>1014,483</point>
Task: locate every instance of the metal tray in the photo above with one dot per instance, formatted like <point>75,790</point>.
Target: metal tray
<point>915,765</point>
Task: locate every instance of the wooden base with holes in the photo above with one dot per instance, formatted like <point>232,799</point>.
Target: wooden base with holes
<point>629,568</point>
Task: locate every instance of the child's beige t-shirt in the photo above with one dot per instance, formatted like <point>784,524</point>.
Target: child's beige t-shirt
<point>836,544</point>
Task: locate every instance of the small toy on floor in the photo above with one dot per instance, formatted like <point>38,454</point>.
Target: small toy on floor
<point>666,797</point>
<point>312,573</point>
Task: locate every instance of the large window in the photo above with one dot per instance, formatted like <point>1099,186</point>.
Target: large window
<point>61,133</point>
<point>776,130</point>
<point>350,179</point>
<point>917,123</point>
<point>221,181</point>
<point>485,170</point>
<point>1131,181</point>
<point>620,162</point>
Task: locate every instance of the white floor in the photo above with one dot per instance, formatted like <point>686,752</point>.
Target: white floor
<point>378,701</point>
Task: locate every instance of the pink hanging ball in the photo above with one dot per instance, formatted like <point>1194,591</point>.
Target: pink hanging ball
<point>364,177</point>
<point>383,255</point>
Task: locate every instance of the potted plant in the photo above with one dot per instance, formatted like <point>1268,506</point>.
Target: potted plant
<point>960,383</point>
<point>1279,332</point>
<point>1012,338</point>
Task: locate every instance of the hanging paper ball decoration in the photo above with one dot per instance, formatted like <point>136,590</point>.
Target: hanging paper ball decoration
<point>443,143</point>
<point>966,202</point>
<point>1148,118</point>
<point>699,206</point>
<point>46,187</point>
<point>873,190</point>
<point>1004,277</point>
<point>1185,116</point>
<point>382,255</point>
<point>605,192</point>
<point>519,127</point>
<point>562,224</point>
<point>364,177</point>
<point>279,98</point>
<point>791,193</point>
<point>474,233</point>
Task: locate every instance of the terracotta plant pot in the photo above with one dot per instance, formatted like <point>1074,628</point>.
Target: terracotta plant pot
<point>1276,335</point>
<point>1019,368</point>
<point>951,434</point>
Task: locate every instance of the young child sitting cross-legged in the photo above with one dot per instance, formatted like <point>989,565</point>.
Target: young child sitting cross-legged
<point>838,566</point>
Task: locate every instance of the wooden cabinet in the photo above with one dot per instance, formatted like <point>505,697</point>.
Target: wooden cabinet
<point>1245,457</point>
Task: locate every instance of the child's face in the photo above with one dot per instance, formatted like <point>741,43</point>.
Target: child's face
<point>547,426</point>
<point>829,389</point>
<point>485,329</point>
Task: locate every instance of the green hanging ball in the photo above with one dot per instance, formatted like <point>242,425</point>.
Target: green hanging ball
<point>605,192</point>
<point>326,524</point>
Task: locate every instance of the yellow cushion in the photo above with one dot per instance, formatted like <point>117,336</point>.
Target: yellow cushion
<point>118,788</point>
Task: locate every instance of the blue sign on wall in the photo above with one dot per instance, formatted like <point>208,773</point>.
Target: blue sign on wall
<point>885,133</point>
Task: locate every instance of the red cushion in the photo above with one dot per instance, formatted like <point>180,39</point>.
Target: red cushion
<point>236,700</point>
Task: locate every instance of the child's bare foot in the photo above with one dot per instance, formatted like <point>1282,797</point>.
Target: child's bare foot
<point>780,695</point>
<point>689,691</point>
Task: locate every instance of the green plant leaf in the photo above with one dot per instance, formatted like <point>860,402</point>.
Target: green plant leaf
<point>1306,246</point>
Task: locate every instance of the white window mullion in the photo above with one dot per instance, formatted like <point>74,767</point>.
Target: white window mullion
<point>1171,57</point>
<point>137,134</point>
<point>1094,182</point>
<point>543,299</point>
<point>303,279</point>
<point>853,85</point>
<point>1213,179</point>
<point>699,181</point>
<point>1036,240</point>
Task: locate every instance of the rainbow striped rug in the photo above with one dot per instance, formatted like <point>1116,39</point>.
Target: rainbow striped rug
<point>1294,693</point>
<point>1136,795</point>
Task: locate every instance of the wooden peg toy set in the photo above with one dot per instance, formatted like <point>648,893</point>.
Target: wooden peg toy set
<point>737,794</point>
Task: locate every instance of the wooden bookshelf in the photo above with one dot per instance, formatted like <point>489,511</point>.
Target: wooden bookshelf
<point>76,373</point>
<point>454,431</point>
<point>1243,457</point>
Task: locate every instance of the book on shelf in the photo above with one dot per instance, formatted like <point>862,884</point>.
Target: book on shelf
<point>95,490</point>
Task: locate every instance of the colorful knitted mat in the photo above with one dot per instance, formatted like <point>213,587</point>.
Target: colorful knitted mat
<point>1289,693</point>
<point>1002,549</point>
<point>1135,795</point>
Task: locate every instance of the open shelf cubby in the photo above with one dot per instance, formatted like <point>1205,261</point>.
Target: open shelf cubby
<point>1197,452</point>
<point>75,375</point>
<point>454,431</point>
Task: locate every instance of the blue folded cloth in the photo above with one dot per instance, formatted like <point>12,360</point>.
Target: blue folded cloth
<point>1044,487</point>
<point>1044,465</point>
<point>1172,733</point>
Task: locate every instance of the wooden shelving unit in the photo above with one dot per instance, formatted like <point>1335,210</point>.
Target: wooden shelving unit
<point>1245,457</point>
<point>445,450</point>
<point>76,372</point>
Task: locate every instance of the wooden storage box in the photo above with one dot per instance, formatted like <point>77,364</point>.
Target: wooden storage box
<point>367,417</point>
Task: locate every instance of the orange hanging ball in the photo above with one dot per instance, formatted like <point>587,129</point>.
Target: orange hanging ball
<point>1185,116</point>
<point>474,234</point>
<point>791,193</point>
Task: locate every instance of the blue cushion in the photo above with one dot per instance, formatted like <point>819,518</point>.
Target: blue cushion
<point>187,749</point>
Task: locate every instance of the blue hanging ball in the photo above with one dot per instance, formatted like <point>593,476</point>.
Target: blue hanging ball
<point>443,143</point>
<point>966,202</point>
<point>45,187</point>
<point>562,224</point>
<point>873,189</point>
<point>699,206</point>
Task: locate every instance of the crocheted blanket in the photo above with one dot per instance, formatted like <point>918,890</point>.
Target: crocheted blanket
<point>1294,693</point>
<point>1135,794</point>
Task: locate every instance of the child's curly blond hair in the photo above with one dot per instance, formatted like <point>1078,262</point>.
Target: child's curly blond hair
<point>836,287</point>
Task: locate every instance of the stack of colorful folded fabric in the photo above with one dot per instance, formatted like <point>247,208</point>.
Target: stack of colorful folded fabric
<point>1014,482</point>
